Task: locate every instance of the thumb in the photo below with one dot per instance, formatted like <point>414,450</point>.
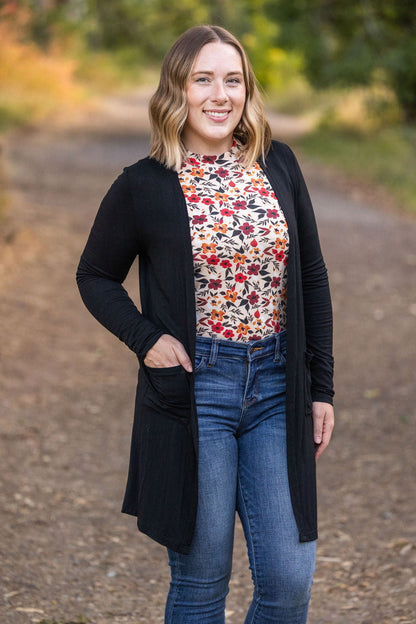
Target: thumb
<point>183,358</point>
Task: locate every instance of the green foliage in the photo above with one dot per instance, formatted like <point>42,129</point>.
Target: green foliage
<point>352,43</point>
<point>386,157</point>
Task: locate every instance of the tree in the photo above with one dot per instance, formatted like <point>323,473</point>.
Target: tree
<point>351,43</point>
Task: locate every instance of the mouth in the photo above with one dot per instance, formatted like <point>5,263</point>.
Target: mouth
<point>217,115</point>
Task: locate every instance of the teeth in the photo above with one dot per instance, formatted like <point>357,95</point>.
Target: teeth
<point>215,114</point>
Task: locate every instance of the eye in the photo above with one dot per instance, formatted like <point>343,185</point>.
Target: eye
<point>202,79</point>
<point>234,81</point>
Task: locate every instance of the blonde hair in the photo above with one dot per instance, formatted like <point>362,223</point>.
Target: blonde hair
<point>168,107</point>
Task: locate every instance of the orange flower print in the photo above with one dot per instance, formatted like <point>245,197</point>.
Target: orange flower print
<point>220,227</point>
<point>239,258</point>
<point>221,196</point>
<point>243,329</point>
<point>197,172</point>
<point>217,315</point>
<point>280,243</point>
<point>231,295</point>
<point>189,189</point>
<point>209,248</point>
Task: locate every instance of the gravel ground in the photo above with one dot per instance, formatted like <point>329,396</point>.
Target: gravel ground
<point>67,388</point>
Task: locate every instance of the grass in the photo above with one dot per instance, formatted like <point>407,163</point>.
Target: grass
<point>360,131</point>
<point>386,157</point>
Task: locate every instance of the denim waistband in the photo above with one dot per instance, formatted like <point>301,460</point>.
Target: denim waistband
<point>215,347</point>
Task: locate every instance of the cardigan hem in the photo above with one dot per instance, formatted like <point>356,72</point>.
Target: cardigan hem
<point>311,536</point>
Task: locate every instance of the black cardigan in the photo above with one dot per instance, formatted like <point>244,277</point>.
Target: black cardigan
<point>144,213</point>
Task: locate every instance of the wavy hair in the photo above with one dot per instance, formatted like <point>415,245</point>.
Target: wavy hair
<point>168,107</point>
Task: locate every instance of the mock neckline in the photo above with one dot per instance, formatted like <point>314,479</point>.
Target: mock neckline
<point>230,154</point>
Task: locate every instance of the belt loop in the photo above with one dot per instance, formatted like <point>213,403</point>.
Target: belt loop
<point>213,352</point>
<point>277,356</point>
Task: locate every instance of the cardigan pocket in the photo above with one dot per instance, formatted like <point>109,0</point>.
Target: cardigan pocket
<point>169,388</point>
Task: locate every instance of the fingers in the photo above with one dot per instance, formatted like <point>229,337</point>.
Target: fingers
<point>183,357</point>
<point>323,424</point>
<point>167,352</point>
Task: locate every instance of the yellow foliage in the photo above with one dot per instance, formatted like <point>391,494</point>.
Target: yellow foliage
<point>365,109</point>
<point>32,82</point>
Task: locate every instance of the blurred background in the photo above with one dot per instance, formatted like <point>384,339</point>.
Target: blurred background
<point>348,68</point>
<point>339,80</point>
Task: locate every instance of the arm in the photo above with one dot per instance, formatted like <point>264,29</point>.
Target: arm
<point>111,248</point>
<point>317,312</point>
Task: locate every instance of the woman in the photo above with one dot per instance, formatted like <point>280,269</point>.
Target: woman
<point>234,397</point>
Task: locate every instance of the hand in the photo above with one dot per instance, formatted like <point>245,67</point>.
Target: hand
<point>166,352</point>
<point>323,424</point>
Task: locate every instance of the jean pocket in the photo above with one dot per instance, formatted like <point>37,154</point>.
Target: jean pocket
<point>200,362</point>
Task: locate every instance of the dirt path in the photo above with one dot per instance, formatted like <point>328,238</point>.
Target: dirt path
<point>67,387</point>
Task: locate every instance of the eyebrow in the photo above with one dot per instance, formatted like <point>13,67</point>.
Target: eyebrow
<point>211,73</point>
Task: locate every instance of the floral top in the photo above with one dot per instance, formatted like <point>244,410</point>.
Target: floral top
<point>240,247</point>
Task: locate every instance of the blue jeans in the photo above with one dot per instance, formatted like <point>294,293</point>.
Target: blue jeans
<point>240,396</point>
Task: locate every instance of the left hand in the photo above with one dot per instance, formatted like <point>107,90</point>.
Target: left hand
<point>323,424</point>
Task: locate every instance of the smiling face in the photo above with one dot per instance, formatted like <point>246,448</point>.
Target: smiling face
<point>216,95</point>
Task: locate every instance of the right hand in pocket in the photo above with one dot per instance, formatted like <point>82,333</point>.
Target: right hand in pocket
<point>167,352</point>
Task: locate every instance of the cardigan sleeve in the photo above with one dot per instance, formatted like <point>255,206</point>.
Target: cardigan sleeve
<point>112,246</point>
<point>316,293</point>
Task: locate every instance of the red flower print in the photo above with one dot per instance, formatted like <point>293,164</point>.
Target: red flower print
<point>253,298</point>
<point>214,284</point>
<point>193,161</point>
<point>272,214</point>
<point>275,282</point>
<point>222,172</point>
<point>207,201</point>
<point>264,192</point>
<point>240,278</point>
<point>238,205</point>
<point>253,269</point>
<point>209,159</point>
<point>246,228</point>
<point>198,219</point>
<point>226,264</point>
<point>213,259</point>
<point>226,212</point>
<point>217,328</point>
<point>228,333</point>
<point>279,255</point>
<point>193,198</point>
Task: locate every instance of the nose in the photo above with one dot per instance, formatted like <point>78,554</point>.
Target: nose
<point>219,93</point>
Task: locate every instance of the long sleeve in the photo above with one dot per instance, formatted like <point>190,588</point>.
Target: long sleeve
<point>112,246</point>
<point>316,294</point>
